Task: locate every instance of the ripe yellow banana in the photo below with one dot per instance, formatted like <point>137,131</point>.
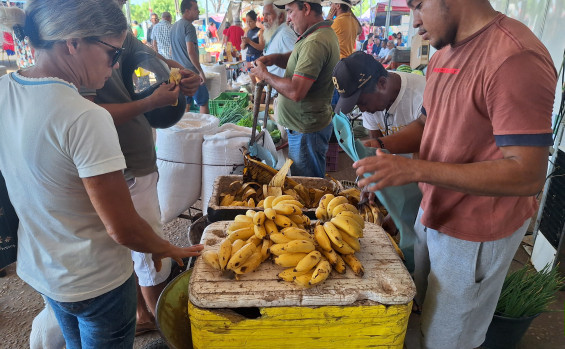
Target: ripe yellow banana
<point>321,213</point>
<point>268,202</point>
<point>339,264</point>
<point>325,200</point>
<point>280,198</point>
<point>344,207</point>
<point>331,256</point>
<point>238,225</point>
<point>333,234</point>
<point>338,200</point>
<point>279,238</point>
<point>241,256</point>
<point>396,248</point>
<point>309,261</point>
<point>260,231</point>
<point>277,249</point>
<point>354,264</point>
<point>352,242</point>
<point>236,246</point>
<point>224,253</point>
<point>288,260</point>
<point>321,273</point>
<point>265,249</point>
<point>250,264</point>
<point>227,200</point>
<point>294,233</point>
<point>283,221</point>
<point>357,217</point>
<point>254,240</point>
<point>271,227</point>
<point>270,213</point>
<point>243,234</point>
<point>306,220</point>
<point>251,202</point>
<point>259,218</point>
<point>302,246</point>
<point>289,274</point>
<point>238,203</point>
<point>260,203</point>
<point>348,225</point>
<point>345,249</point>
<point>304,279</point>
<point>211,258</point>
<point>287,209</point>
<point>322,238</point>
<point>243,218</point>
<point>250,214</point>
<point>297,218</point>
<point>292,202</point>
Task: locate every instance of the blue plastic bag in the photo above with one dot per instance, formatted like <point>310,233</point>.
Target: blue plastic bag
<point>401,202</point>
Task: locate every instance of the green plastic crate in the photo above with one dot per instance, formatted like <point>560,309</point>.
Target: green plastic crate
<point>218,104</point>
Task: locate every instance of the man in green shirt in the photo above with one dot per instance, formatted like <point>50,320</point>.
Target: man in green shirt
<point>306,88</point>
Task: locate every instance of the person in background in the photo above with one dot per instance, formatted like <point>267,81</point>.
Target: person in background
<point>137,31</point>
<point>161,36</point>
<point>306,89</point>
<point>398,41</point>
<point>370,46</point>
<point>345,25</point>
<point>366,31</point>
<point>71,197</point>
<point>385,56</point>
<point>483,140</point>
<point>278,36</point>
<point>184,43</point>
<point>154,19</point>
<point>253,39</point>
<point>234,34</point>
<point>213,32</point>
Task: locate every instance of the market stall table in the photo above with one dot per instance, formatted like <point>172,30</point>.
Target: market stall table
<point>345,311</point>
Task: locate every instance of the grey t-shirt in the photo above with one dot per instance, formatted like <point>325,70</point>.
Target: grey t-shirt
<point>182,32</point>
<point>136,135</point>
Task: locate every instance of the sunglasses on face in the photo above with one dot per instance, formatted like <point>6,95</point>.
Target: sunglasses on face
<point>114,55</point>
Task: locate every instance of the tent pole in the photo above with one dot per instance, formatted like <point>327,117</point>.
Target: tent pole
<point>387,23</point>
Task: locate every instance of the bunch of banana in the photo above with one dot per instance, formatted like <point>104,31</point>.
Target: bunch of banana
<point>353,195</point>
<point>372,213</point>
<point>251,235</point>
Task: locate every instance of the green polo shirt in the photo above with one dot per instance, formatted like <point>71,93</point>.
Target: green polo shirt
<point>314,57</point>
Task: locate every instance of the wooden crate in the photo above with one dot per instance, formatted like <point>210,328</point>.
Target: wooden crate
<point>221,213</point>
<point>346,311</point>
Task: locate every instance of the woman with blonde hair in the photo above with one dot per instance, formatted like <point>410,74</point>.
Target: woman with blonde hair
<point>61,159</point>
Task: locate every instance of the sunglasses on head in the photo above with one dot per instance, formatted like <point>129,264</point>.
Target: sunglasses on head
<point>116,54</point>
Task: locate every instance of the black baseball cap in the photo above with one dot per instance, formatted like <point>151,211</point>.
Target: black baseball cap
<point>350,77</point>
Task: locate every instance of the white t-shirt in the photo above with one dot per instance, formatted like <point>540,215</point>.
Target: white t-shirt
<point>50,138</point>
<point>405,108</point>
<point>282,42</point>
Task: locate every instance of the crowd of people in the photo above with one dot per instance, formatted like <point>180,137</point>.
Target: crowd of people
<point>474,137</point>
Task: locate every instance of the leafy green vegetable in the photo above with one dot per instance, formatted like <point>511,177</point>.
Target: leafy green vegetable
<point>276,136</point>
<point>245,122</point>
<point>233,113</point>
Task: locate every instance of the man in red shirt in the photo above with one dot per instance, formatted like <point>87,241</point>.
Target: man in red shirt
<point>233,34</point>
<point>483,139</point>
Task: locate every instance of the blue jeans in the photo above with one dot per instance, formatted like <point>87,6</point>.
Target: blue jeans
<point>106,321</point>
<point>308,152</point>
<point>201,96</point>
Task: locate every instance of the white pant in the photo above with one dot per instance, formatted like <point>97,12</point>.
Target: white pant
<point>143,192</point>
<point>458,284</point>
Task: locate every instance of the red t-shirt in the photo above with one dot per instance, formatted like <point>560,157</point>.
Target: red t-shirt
<point>495,88</point>
<point>234,34</point>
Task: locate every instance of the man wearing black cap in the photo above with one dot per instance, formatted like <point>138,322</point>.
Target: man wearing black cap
<point>306,88</point>
<point>389,100</point>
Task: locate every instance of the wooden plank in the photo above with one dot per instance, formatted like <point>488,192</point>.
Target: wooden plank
<point>386,280</point>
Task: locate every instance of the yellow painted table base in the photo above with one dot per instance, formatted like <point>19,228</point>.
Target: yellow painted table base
<point>366,325</point>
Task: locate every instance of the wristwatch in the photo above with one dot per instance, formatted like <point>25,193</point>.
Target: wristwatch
<point>381,144</point>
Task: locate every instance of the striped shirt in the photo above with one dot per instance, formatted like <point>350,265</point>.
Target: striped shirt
<point>162,35</point>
